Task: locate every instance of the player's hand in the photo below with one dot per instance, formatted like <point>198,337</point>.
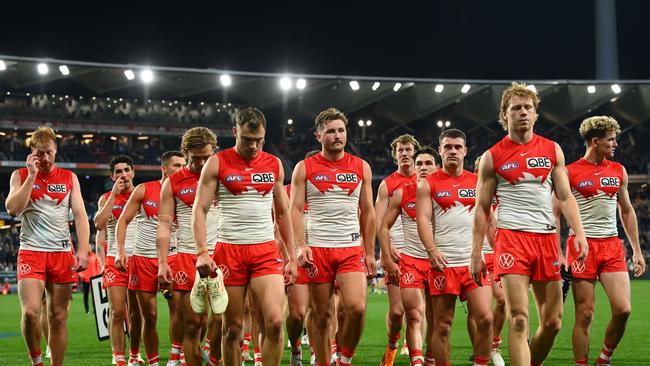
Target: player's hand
<point>477,269</point>
<point>581,246</point>
<point>165,274</point>
<point>305,257</point>
<point>438,260</point>
<point>639,264</point>
<point>32,164</point>
<point>80,260</point>
<point>371,265</point>
<point>392,272</point>
<point>290,272</point>
<point>118,186</point>
<point>394,253</point>
<point>121,261</point>
<point>205,265</point>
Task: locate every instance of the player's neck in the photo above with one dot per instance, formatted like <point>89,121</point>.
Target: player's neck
<point>128,190</point>
<point>406,171</point>
<point>47,171</point>
<point>454,171</point>
<point>592,157</point>
<point>333,156</point>
<point>520,137</point>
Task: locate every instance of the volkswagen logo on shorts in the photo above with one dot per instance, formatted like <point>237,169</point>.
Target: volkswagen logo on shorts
<point>180,278</point>
<point>440,282</point>
<point>134,280</point>
<point>110,277</point>
<point>312,271</point>
<point>24,268</point>
<point>408,278</point>
<point>506,260</point>
<point>224,269</point>
<point>577,266</point>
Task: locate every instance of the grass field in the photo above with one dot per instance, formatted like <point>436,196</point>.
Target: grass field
<point>84,349</point>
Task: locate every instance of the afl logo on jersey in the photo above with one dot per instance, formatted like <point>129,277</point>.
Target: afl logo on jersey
<point>609,182</point>
<point>541,162</point>
<point>586,183</point>
<point>321,178</point>
<point>346,178</point>
<point>234,178</point>
<point>509,166</point>
<point>410,205</point>
<point>151,203</point>
<point>56,188</point>
<point>442,194</point>
<point>467,193</point>
<point>263,178</point>
<point>186,191</point>
<point>118,207</point>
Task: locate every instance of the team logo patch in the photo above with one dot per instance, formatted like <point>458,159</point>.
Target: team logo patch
<point>506,261</point>
<point>24,268</point>
<point>577,266</point>
<point>118,207</point>
<point>321,178</point>
<point>263,178</point>
<point>234,178</point>
<point>467,193</point>
<point>134,280</point>
<point>440,282</point>
<point>185,191</point>
<point>110,277</point>
<point>57,188</point>
<point>509,166</point>
<point>225,270</point>
<point>312,271</point>
<point>586,183</point>
<point>538,162</point>
<point>347,178</point>
<point>443,194</point>
<point>408,278</point>
<point>609,182</point>
<point>181,278</point>
<point>151,203</point>
<point>410,205</point>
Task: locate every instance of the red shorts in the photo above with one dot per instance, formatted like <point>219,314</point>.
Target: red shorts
<point>184,270</point>
<point>302,279</point>
<point>113,276</point>
<point>54,267</point>
<point>240,262</point>
<point>413,272</point>
<point>530,254</point>
<point>143,274</point>
<point>605,255</point>
<point>489,265</point>
<point>328,262</point>
<point>452,281</point>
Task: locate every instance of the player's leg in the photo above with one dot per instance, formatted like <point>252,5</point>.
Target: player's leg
<point>117,306</point>
<point>584,299</point>
<point>268,291</point>
<point>58,299</point>
<point>617,288</point>
<point>30,293</point>
<point>352,287</point>
<point>394,323</point>
<point>319,298</point>
<point>149,311</point>
<point>498,312</point>
<point>516,294</point>
<point>414,308</point>
<point>215,323</point>
<point>548,298</point>
<point>298,299</point>
<point>135,325</point>
<point>175,326</point>
<point>193,324</point>
<point>479,302</point>
<point>443,316</point>
<point>429,360</point>
<point>232,325</point>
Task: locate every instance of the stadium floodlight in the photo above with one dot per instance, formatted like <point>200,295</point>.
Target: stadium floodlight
<point>225,80</point>
<point>375,85</point>
<point>3,66</point>
<point>397,86</point>
<point>368,123</point>
<point>439,88</point>
<point>354,85</point>
<point>439,124</point>
<point>301,84</point>
<point>142,138</point>
<point>616,88</point>
<point>591,89</point>
<point>465,88</point>
<point>87,136</point>
<point>114,138</point>
<point>360,123</point>
<point>285,83</point>
<point>289,121</point>
<point>129,74</point>
<point>42,68</point>
<point>532,88</point>
<point>64,70</point>
<point>146,75</point>
<point>447,124</point>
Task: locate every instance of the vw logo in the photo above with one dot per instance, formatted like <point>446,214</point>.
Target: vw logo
<point>506,260</point>
<point>408,278</point>
<point>577,266</point>
<point>440,282</point>
<point>24,268</point>
<point>134,280</point>
<point>110,277</point>
<point>224,269</point>
<point>312,271</point>
<point>180,278</point>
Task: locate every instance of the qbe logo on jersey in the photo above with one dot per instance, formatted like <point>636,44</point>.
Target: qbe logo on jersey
<point>57,188</point>
<point>347,178</point>
<point>467,193</point>
<point>262,178</point>
<point>538,163</point>
<point>609,182</point>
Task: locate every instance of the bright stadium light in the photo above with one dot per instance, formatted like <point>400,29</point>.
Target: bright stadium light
<point>591,89</point>
<point>42,69</point>
<point>375,85</point>
<point>616,88</point>
<point>354,85</point>
<point>439,88</point>
<point>289,121</point>
<point>3,66</point>
<point>532,88</point>
<point>360,123</point>
<point>285,83</point>
<point>129,74</point>
<point>146,76</point>
<point>225,80</point>
<point>439,124</point>
<point>368,123</point>
<point>301,84</point>
<point>397,86</point>
<point>64,70</point>
<point>465,88</point>
<point>447,124</point>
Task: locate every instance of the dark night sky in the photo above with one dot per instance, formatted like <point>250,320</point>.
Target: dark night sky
<point>446,39</point>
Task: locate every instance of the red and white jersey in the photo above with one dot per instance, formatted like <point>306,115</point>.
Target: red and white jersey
<point>333,193</point>
<point>183,184</point>
<point>454,200</point>
<point>147,218</point>
<point>45,225</point>
<point>524,184</point>
<point>412,244</point>
<point>131,231</point>
<point>595,188</point>
<point>394,182</point>
<point>246,197</point>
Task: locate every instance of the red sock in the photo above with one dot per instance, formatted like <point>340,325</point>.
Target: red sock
<point>606,353</point>
<point>416,357</point>
<point>153,358</point>
<point>482,361</point>
<point>213,362</point>
<point>206,346</point>
<point>582,362</point>
<point>36,358</point>
<point>175,353</point>
<point>346,356</point>
<point>392,340</point>
<point>120,358</point>
<point>429,360</point>
<point>496,342</point>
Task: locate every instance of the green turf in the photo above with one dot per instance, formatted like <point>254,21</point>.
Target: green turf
<point>84,349</point>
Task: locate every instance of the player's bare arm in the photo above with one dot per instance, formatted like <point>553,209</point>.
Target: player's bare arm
<point>205,191</point>
<point>82,227</point>
<point>630,225</point>
<point>391,212</point>
<point>367,220</point>
<point>426,225</point>
<point>485,189</point>
<point>19,194</point>
<point>283,220</point>
<point>128,213</point>
<point>297,206</point>
<point>164,232</point>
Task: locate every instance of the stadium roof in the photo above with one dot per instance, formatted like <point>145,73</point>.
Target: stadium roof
<point>389,102</point>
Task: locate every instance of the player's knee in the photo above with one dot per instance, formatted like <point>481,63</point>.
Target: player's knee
<point>118,315</point>
<point>443,328</point>
<point>395,314</point>
<point>414,316</point>
<point>356,310</point>
<point>233,332</point>
<point>621,313</point>
<point>552,325</point>
<point>585,316</point>
<point>150,316</point>
<point>501,303</point>
<point>297,313</point>
<point>484,321</point>
<point>273,328</point>
<point>31,315</point>
<point>519,322</point>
